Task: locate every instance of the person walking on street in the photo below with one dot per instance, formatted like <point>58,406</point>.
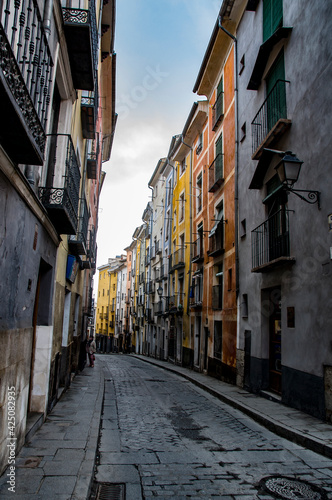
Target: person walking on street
<point>91,349</point>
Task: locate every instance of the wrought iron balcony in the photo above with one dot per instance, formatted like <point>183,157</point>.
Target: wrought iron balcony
<point>271,120</point>
<point>164,270</point>
<point>26,74</point>
<point>177,260</point>
<point>150,287</point>
<point>92,160</point>
<point>81,36</point>
<point>78,244</point>
<point>217,297</point>
<point>92,247</point>
<point>216,239</point>
<point>61,197</point>
<point>159,308</point>
<point>198,254</point>
<point>89,113</point>
<point>216,173</point>
<point>270,242</point>
<point>218,111</point>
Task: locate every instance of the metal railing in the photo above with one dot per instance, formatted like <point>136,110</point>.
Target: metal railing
<point>26,64</point>
<point>177,259</point>
<point>273,109</point>
<point>216,173</point>
<point>81,237</point>
<point>197,249</point>
<point>64,190</point>
<point>216,241</point>
<point>270,240</point>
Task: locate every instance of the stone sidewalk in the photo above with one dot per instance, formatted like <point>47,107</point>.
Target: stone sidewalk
<point>58,462</point>
<point>292,424</point>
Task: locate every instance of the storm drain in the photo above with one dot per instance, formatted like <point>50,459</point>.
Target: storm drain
<point>110,491</point>
<point>288,488</point>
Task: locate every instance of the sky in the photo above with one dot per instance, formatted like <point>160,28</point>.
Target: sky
<point>160,45</point>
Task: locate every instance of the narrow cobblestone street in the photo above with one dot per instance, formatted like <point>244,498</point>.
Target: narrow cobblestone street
<point>163,437</point>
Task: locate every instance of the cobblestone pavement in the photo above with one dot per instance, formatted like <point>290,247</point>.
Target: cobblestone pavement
<point>163,437</point>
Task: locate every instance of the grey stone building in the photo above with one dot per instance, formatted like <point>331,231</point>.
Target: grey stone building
<point>285,239</point>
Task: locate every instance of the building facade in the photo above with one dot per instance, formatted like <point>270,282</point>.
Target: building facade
<point>285,260</point>
<point>50,188</point>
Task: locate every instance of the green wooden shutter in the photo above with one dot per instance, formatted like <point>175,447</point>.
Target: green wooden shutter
<point>272,17</point>
<point>219,170</point>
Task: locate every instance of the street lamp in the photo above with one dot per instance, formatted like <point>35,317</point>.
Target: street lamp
<point>288,170</point>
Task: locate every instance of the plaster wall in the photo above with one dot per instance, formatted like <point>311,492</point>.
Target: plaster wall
<point>306,285</point>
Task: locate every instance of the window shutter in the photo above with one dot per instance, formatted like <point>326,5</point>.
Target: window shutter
<point>272,17</point>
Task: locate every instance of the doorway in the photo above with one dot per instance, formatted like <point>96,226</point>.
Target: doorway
<point>275,340</point>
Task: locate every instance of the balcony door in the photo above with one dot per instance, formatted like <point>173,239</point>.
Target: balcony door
<point>277,220</point>
<point>276,92</point>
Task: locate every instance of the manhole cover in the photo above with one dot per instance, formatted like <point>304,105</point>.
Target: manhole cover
<point>288,488</point>
<point>110,491</point>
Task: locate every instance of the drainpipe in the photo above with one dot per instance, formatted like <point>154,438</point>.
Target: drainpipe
<point>47,17</point>
<point>236,187</point>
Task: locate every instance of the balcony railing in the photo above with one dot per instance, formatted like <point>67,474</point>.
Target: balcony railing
<point>159,308</point>
<point>271,119</point>
<point>61,198</point>
<point>89,113</point>
<point>92,161</point>
<point>164,270</point>
<point>141,278</point>
<point>270,242</point>
<point>217,297</point>
<point>218,111</point>
<point>92,247</point>
<point>26,75</point>
<point>216,173</point>
<point>78,244</point>
<point>81,37</point>
<point>150,287</point>
<point>177,260</point>
<point>216,239</point>
<point>198,254</point>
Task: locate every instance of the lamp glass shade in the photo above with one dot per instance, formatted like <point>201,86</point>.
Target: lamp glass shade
<point>288,169</point>
<point>159,291</point>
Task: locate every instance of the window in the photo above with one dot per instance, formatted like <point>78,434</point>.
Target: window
<point>218,108</point>
<point>200,239</point>
<point>168,216</point>
<point>242,64</point>
<point>183,167</point>
<point>199,192</point>
<point>243,228</point>
<point>217,340</point>
<point>182,201</point>
<point>243,132</point>
<point>174,221</point>
<point>216,235</point>
<point>199,144</point>
<point>272,17</point>
<point>230,279</point>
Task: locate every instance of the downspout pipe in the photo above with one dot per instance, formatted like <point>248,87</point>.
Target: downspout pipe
<point>47,17</point>
<point>236,187</point>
